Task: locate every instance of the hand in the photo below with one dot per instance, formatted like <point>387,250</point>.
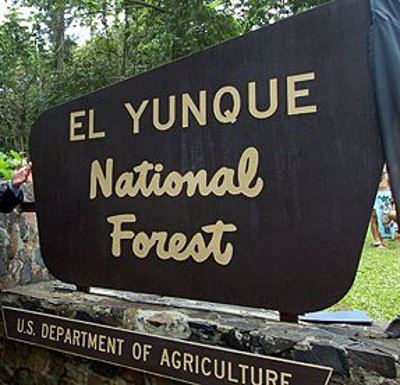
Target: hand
<point>21,175</point>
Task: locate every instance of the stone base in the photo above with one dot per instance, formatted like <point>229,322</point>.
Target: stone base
<point>21,261</point>
<point>358,355</point>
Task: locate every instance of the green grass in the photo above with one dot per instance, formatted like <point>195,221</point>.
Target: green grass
<point>376,289</point>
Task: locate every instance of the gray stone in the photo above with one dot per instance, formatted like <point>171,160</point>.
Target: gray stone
<point>118,313</point>
<point>239,340</point>
<point>38,275</point>
<point>341,330</point>
<point>204,332</point>
<point>69,381</point>
<point>3,265</point>
<point>19,246</point>
<point>76,371</point>
<point>56,367</point>
<point>6,373</point>
<point>38,360</point>
<point>94,379</point>
<point>270,344</point>
<point>16,242</point>
<point>29,193</point>
<point>23,256</point>
<point>4,238</point>
<point>46,380</point>
<point>83,316</point>
<point>107,318</point>
<point>297,333</point>
<point>338,379</point>
<point>170,324</point>
<point>393,330</point>
<point>31,304</point>
<point>37,257</point>
<point>388,346</point>
<point>327,354</point>
<point>26,274</point>
<point>15,355</point>
<point>3,220</point>
<point>105,370</point>
<point>24,377</point>
<point>133,377</point>
<point>372,360</point>
<point>371,332</point>
<point>23,228</point>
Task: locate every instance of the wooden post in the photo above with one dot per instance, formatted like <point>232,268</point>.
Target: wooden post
<point>28,207</point>
<point>83,289</point>
<point>290,318</point>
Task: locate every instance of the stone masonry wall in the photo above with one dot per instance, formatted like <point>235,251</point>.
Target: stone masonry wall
<point>358,355</point>
<point>20,258</point>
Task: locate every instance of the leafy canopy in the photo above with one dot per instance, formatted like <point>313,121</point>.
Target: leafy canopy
<point>43,63</point>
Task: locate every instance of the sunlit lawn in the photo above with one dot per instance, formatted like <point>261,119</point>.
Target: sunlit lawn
<point>376,289</point>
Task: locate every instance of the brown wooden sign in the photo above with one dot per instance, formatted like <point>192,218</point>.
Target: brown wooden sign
<point>242,174</point>
<point>188,362</point>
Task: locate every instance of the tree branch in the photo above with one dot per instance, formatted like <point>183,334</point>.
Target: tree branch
<point>137,3</point>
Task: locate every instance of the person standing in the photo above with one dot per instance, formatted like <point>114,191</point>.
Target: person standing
<point>382,224</point>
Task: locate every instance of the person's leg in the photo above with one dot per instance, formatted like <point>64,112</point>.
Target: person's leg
<point>376,236</point>
<point>393,215</point>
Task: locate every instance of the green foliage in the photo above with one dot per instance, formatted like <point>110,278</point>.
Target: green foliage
<point>42,64</point>
<point>17,68</point>
<point>8,163</point>
<point>376,289</point>
<point>253,14</point>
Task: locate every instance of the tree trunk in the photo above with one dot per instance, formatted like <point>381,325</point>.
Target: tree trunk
<point>57,15</point>
<point>125,47</point>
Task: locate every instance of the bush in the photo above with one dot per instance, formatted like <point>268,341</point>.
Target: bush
<point>8,163</point>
